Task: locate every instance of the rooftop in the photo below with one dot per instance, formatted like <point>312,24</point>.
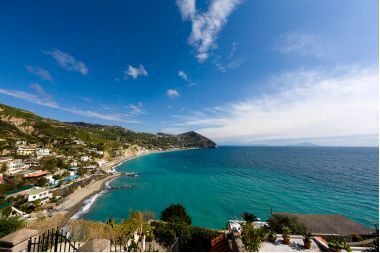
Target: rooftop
<point>296,244</point>
<point>35,191</point>
<point>37,174</point>
<point>330,224</point>
<point>19,190</point>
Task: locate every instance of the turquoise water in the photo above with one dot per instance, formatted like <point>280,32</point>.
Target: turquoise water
<point>217,184</point>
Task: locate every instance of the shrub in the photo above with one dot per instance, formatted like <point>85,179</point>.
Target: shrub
<point>253,237</point>
<point>286,230</point>
<point>277,222</point>
<point>9,225</point>
<point>175,213</point>
<point>338,245</point>
<point>164,235</point>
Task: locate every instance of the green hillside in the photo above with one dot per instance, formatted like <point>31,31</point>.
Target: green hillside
<point>17,124</point>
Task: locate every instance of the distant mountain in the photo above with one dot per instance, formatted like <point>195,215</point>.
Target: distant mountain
<point>304,144</point>
<point>195,139</point>
<point>17,124</point>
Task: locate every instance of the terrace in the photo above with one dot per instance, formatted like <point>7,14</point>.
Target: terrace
<point>329,224</point>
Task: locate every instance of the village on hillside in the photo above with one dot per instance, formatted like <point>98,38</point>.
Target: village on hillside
<point>35,179</point>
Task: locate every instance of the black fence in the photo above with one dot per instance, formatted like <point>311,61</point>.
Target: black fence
<point>52,241</point>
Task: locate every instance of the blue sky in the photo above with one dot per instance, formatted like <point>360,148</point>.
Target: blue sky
<point>240,72</point>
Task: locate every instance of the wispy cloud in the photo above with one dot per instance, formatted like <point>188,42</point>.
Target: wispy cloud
<point>40,91</point>
<point>300,43</point>
<point>322,105</point>
<point>43,99</point>
<point>206,25</point>
<point>67,61</point>
<point>135,72</point>
<point>30,97</point>
<point>183,75</point>
<point>88,100</point>
<point>137,109</point>
<point>172,93</point>
<point>231,64</point>
<point>233,50</point>
<point>40,72</point>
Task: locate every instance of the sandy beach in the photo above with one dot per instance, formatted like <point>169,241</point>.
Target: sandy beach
<point>77,197</point>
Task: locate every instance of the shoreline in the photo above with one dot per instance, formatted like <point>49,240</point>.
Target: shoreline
<point>74,202</point>
<point>83,205</point>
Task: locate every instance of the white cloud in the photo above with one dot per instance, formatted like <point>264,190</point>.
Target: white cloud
<point>135,72</point>
<point>32,98</point>
<point>40,91</point>
<point>137,109</point>
<point>43,99</point>
<point>172,93</point>
<point>206,25</point>
<point>88,100</point>
<point>298,42</point>
<point>40,72</point>
<point>232,64</point>
<point>325,106</point>
<point>183,75</point>
<point>67,61</point>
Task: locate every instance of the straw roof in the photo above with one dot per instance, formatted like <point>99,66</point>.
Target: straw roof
<point>330,224</point>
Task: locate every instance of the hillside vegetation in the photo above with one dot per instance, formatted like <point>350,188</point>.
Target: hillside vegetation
<point>17,124</point>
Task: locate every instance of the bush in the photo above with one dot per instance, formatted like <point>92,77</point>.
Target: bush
<point>175,213</point>
<point>253,237</point>
<point>9,225</point>
<point>200,239</point>
<point>277,222</point>
<point>336,244</point>
<point>164,234</point>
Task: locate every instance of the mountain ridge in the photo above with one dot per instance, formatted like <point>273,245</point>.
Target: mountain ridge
<point>19,124</point>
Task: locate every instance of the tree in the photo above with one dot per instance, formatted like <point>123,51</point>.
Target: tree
<point>9,225</point>
<point>183,231</point>
<point>42,181</point>
<point>248,217</point>
<point>175,213</point>
<point>253,237</point>
<point>4,167</point>
<point>164,235</point>
<point>6,211</point>
<point>81,172</point>
<point>277,222</point>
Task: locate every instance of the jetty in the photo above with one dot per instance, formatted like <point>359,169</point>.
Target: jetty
<point>130,174</point>
<point>119,187</point>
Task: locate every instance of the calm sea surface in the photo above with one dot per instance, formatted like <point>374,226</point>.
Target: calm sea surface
<point>217,184</point>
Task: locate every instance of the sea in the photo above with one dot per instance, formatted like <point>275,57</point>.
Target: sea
<point>215,185</point>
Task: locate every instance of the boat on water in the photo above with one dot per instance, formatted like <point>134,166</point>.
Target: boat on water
<point>131,174</point>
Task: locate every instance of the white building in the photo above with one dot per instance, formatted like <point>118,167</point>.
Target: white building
<point>5,160</point>
<point>41,152</point>
<point>51,179</point>
<point>74,164</point>
<point>84,158</point>
<point>101,162</point>
<point>78,142</point>
<point>15,166</point>
<point>20,142</point>
<point>39,193</point>
<point>96,151</point>
<point>25,151</point>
